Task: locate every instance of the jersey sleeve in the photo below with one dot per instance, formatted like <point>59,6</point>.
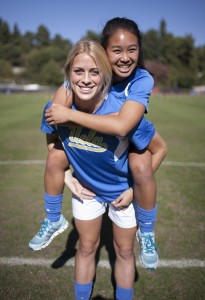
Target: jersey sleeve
<point>142,134</point>
<point>140,88</point>
<point>45,127</point>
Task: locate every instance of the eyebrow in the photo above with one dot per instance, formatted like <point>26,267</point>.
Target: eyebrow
<point>119,46</point>
<point>91,69</point>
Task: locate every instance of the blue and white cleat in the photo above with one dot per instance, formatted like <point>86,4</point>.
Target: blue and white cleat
<point>48,231</point>
<point>148,250</point>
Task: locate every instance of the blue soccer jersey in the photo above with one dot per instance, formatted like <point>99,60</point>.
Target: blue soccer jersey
<point>99,161</point>
<point>137,87</point>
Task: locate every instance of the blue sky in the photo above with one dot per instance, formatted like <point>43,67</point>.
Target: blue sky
<point>71,19</point>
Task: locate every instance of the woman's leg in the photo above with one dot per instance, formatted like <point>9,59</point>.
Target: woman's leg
<point>88,220</point>
<point>125,259</point>
<point>89,239</point>
<point>56,165</point>
<point>145,191</point>
<point>54,223</point>
<point>124,232</point>
<point>158,148</point>
<point>143,164</point>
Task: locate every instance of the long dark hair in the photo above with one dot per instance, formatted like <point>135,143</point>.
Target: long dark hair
<point>122,23</point>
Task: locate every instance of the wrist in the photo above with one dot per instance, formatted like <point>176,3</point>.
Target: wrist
<point>71,115</point>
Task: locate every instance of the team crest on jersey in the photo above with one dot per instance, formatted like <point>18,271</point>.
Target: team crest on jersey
<point>90,141</point>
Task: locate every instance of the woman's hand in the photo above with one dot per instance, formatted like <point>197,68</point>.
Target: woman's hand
<point>57,114</point>
<point>124,200</point>
<point>84,193</point>
<point>76,187</point>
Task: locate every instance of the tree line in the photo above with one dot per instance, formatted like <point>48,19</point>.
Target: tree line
<point>36,57</point>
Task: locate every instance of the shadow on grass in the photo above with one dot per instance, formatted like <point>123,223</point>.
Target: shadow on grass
<point>70,249</point>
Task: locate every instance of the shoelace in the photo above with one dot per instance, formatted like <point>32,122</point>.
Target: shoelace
<point>149,244</point>
<point>44,227</point>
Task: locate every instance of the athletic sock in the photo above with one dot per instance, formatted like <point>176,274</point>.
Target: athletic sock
<point>53,206</point>
<point>146,218</point>
<point>83,291</point>
<point>124,294</point>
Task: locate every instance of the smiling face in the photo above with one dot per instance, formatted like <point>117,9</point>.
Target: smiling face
<point>86,82</point>
<point>123,53</point>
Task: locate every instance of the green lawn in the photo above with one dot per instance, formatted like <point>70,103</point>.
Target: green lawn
<point>181,207</point>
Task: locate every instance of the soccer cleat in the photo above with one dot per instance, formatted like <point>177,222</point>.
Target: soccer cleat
<point>49,230</point>
<point>148,250</point>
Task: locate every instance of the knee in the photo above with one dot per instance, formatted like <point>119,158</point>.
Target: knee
<point>160,147</point>
<point>141,170</point>
<point>56,154</point>
<point>88,248</point>
<point>51,160</point>
<point>55,159</point>
<point>125,253</point>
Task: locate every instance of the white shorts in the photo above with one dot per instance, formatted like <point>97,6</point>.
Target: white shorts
<point>91,209</point>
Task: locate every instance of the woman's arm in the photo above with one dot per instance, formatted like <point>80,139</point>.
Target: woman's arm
<point>124,200</point>
<point>77,188</point>
<point>120,124</point>
<point>63,96</point>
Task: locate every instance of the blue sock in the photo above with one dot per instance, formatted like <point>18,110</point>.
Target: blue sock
<point>53,206</point>
<point>124,294</point>
<point>146,218</point>
<point>83,291</point>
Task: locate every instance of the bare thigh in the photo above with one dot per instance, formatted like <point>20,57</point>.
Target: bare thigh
<point>89,230</point>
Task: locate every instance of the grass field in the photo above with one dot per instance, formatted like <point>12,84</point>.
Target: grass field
<point>48,274</point>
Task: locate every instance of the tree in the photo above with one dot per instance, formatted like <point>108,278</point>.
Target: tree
<point>29,40</point>
<point>51,74</point>
<point>61,43</point>
<point>200,57</point>
<point>163,29</point>
<point>38,58</point>
<point>151,45</point>
<point>42,36</point>
<point>16,35</point>
<point>174,61</point>
<point>60,47</point>
<point>186,67</point>
<point>91,35</point>
<point>5,36</point>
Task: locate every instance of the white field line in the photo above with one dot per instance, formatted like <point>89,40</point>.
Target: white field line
<point>42,162</point>
<point>20,261</point>
<point>184,164</point>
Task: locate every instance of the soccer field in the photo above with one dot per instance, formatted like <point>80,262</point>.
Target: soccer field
<point>180,227</point>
